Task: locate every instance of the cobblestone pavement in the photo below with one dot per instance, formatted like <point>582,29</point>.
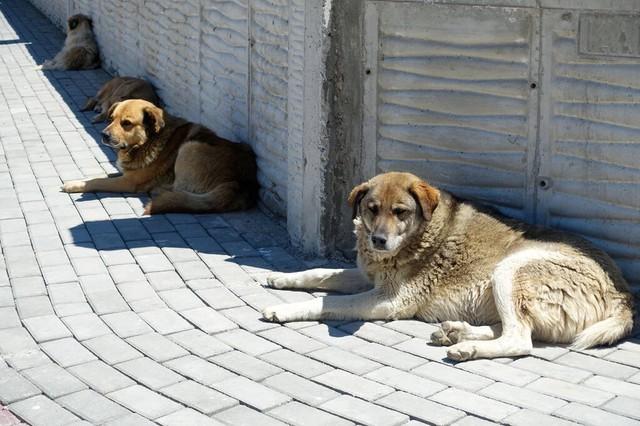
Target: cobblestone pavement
<point>107,317</point>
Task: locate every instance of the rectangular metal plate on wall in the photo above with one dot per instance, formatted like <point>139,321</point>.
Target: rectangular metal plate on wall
<point>609,34</point>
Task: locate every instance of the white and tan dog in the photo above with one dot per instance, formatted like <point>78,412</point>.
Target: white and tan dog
<point>494,283</point>
<point>80,50</point>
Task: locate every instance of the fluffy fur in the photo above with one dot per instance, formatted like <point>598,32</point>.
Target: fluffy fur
<point>80,50</point>
<point>185,166</point>
<point>119,89</point>
<point>494,283</point>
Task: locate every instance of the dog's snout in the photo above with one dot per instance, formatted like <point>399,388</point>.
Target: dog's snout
<point>379,241</point>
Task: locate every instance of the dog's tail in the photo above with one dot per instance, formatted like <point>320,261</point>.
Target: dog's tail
<point>609,330</point>
<point>225,197</point>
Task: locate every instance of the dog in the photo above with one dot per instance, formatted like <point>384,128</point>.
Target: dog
<point>116,90</point>
<point>80,50</point>
<point>494,284</point>
<point>185,166</point>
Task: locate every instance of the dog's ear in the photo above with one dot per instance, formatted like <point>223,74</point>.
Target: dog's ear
<point>356,195</point>
<point>111,109</point>
<point>154,117</point>
<point>426,196</point>
<point>72,22</point>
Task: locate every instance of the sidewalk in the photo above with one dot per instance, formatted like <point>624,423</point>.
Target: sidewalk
<point>107,317</point>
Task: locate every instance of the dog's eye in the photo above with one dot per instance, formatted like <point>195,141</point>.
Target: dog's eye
<point>399,211</point>
<point>125,123</point>
<point>373,208</point>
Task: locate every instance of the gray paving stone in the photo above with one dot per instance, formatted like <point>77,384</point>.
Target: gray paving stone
<point>468,421</point>
<point>251,393</point>
<point>292,340</point>
<point>389,356</point>
<point>570,391</point>
<point>107,302</point>
<point>345,360</point>
<point>165,321</point>
<point>474,404</point>
<point>296,363</point>
<point>422,348</point>
<point>145,402</point>
<point>375,333</point>
<point>125,273</point>
<point>353,385</point>
<point>126,324</point>
<point>166,280</point>
<point>154,263</point>
<point>534,418</point>
<point>199,343</point>
<point>614,386</point>
<point>247,342</point>
<point>149,373</point>
<point>208,320</point>
<point>242,415</point>
<point>406,382</point>
<point>86,326</point>
<point>157,347</point>
<point>552,370</point>
<point>67,352</point>
<point>89,265</point>
<point>586,415</point>
<point>53,380</point>
<point>219,297</point>
<point>66,293</point>
<point>421,409</point>
<point>298,414</point>
<point>630,358</point>
<point>363,412</point>
<point>452,376</point>
<point>521,397</point>
<point>248,318</point>
<point>130,420</point>
<point>499,372</point>
<point>413,328</point>
<point>199,397</point>
<point>624,406</point>
<point>200,370</point>
<point>332,336</point>
<point>187,416</point>
<point>9,317</point>
<point>193,270</point>
<point>46,328</point>
<point>14,387</point>
<point>181,299</point>
<point>112,349</point>
<point>92,406</point>
<point>597,366</point>
<point>300,388</point>
<point>245,365</point>
<point>41,411</point>
<point>101,377</point>
<point>28,286</point>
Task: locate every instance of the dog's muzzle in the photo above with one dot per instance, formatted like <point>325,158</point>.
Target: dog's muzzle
<point>107,140</point>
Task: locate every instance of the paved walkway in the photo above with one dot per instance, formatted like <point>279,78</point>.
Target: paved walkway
<point>107,317</point>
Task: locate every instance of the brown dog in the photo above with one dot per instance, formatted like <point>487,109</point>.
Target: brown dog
<point>494,283</point>
<point>80,51</point>
<point>119,89</point>
<point>185,166</point>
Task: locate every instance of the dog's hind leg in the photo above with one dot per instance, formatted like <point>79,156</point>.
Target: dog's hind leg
<point>515,339</point>
<point>340,280</point>
<point>89,105</point>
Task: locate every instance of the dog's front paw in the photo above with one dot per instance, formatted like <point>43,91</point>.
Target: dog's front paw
<point>462,351</point>
<point>148,208</point>
<point>450,332</point>
<point>280,313</point>
<point>73,186</point>
<point>282,280</point>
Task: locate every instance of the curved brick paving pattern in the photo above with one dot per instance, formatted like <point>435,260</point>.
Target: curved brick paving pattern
<point>110,318</point>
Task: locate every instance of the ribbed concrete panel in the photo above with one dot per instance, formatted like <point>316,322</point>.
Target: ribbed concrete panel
<point>591,126</point>
<point>269,86</point>
<point>453,99</point>
<point>224,67</point>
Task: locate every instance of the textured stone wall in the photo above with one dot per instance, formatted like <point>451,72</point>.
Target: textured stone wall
<point>223,63</point>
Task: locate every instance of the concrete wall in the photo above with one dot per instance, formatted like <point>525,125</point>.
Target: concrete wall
<point>529,105</point>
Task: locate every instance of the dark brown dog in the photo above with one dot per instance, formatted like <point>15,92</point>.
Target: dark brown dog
<point>185,166</point>
<point>120,89</point>
<point>80,51</point>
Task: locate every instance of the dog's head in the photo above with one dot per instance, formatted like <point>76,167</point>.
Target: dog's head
<point>391,208</point>
<point>132,123</point>
<point>79,22</point>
